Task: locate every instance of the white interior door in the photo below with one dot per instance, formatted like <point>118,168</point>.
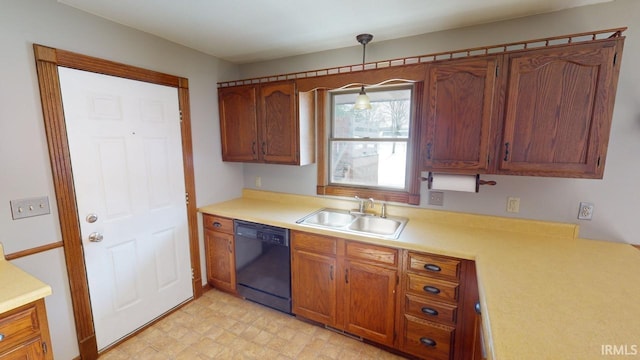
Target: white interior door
<point>126,156</point>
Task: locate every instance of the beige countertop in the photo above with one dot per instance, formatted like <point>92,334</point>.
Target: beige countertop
<point>545,293</point>
<point>18,288</point>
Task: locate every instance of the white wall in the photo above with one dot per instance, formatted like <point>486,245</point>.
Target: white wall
<point>24,160</point>
<point>615,197</point>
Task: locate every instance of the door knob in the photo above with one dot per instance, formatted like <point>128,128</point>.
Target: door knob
<point>95,237</point>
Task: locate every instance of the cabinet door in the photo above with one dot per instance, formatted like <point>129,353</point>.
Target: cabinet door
<point>279,130</point>
<point>313,286</point>
<point>461,106</point>
<point>369,301</point>
<point>29,351</point>
<point>558,110</point>
<point>221,262</point>
<point>238,123</point>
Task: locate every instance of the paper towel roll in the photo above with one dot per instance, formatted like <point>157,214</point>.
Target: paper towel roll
<point>466,183</point>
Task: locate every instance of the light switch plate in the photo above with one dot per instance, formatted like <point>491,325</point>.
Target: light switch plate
<point>24,208</point>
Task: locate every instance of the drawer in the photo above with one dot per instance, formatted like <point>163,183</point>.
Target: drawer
<point>435,288</point>
<point>380,254</point>
<point>217,223</point>
<point>427,340</point>
<point>18,326</point>
<point>434,265</point>
<point>315,243</point>
<point>430,310</point>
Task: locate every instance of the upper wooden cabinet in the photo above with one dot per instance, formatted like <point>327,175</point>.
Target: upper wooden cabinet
<point>558,110</point>
<point>268,123</point>
<point>545,112</point>
<point>540,108</point>
<point>461,108</point>
<point>238,123</point>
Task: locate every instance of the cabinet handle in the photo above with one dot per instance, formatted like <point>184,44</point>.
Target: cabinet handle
<point>331,272</point>
<point>429,151</point>
<point>506,151</point>
<point>431,289</point>
<point>229,247</point>
<point>430,311</point>
<point>217,224</point>
<point>264,148</point>
<point>1,336</point>
<point>432,267</point>
<point>427,342</point>
<point>476,307</point>
<point>253,148</point>
<point>346,276</point>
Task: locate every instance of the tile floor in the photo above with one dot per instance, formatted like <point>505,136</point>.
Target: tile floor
<point>220,326</point>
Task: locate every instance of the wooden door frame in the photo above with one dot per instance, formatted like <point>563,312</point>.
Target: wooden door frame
<point>47,61</point>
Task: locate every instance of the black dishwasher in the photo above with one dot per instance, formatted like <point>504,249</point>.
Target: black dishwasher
<point>263,265</point>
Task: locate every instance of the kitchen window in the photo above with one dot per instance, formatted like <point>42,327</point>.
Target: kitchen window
<point>369,153</point>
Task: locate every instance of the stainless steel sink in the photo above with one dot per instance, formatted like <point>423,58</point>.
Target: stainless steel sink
<point>375,225</point>
<point>355,223</point>
<point>330,218</point>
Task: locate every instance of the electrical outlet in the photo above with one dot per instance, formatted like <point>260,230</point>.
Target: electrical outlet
<point>513,204</point>
<point>25,208</point>
<point>585,211</point>
<point>258,182</point>
<point>436,198</point>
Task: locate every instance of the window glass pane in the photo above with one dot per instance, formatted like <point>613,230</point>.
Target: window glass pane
<point>368,163</point>
<point>388,118</point>
<point>369,147</point>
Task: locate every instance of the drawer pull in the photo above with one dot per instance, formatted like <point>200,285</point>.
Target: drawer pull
<point>217,224</point>
<point>430,311</point>
<point>1,337</point>
<point>431,289</point>
<point>427,342</point>
<point>432,267</point>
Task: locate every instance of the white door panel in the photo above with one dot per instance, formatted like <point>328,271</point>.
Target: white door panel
<point>126,155</point>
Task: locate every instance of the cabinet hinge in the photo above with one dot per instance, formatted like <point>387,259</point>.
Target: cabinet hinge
<point>598,163</point>
<point>180,115</point>
<point>193,274</point>
<point>186,198</point>
<point>497,69</point>
<point>44,347</point>
<point>615,58</point>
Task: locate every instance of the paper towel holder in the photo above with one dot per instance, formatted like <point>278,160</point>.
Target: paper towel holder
<point>429,180</point>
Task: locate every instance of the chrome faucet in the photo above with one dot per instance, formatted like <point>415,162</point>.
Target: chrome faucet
<point>362,203</point>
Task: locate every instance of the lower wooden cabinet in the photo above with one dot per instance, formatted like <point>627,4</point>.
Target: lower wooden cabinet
<point>438,315</point>
<point>426,339</point>
<point>220,252</point>
<point>314,286</point>
<point>369,301</point>
<point>25,333</point>
<point>420,304</point>
<point>346,287</point>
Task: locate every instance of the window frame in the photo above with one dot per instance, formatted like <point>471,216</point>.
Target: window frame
<point>411,193</point>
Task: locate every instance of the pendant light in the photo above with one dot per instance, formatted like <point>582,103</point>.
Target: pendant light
<point>362,101</point>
